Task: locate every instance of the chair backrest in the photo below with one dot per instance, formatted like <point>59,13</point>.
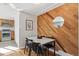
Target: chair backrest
<point>29,42</point>
<point>35,46</point>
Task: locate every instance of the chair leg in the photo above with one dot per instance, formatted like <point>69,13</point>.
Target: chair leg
<point>24,48</point>
<point>42,53</point>
<point>45,51</point>
<point>54,48</point>
<point>29,52</point>
<point>48,51</point>
<point>37,52</point>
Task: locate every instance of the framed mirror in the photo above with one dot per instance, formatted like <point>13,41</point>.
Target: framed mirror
<point>58,22</point>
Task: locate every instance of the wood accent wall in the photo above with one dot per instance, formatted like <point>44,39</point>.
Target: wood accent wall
<point>67,36</point>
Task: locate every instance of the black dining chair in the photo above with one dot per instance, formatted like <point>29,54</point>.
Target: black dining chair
<point>36,47</point>
<point>28,45</point>
<point>49,46</point>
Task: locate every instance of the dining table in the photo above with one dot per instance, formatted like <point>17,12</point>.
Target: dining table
<point>43,41</point>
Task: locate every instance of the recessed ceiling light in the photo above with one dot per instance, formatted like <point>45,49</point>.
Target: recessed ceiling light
<point>14,7</point>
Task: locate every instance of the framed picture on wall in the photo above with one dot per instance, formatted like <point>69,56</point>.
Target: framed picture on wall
<point>29,25</point>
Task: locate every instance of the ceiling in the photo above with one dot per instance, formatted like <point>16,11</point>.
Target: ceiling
<point>33,8</point>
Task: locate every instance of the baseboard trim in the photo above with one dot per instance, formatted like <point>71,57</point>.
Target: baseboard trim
<point>61,53</point>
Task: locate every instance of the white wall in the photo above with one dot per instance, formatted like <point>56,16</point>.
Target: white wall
<point>22,27</point>
<point>17,29</point>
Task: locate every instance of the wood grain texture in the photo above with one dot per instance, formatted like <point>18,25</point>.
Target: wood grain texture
<point>12,35</point>
<point>8,21</point>
<point>67,36</point>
